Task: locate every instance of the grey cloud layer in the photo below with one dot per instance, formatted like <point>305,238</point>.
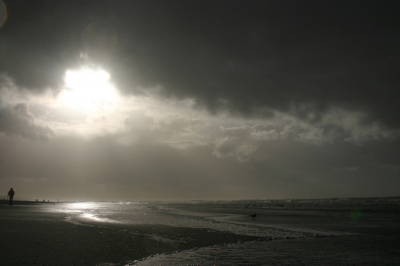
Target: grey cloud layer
<point>298,57</point>
<point>17,120</point>
<point>172,156</point>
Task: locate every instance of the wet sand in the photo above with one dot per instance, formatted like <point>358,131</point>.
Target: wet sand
<point>36,238</point>
<point>206,234</point>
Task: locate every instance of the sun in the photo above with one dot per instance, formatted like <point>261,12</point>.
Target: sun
<point>88,88</point>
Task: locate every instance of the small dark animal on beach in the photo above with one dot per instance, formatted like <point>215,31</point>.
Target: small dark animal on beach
<point>253,215</point>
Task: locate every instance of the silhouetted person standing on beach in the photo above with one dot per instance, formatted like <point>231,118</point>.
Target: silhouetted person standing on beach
<point>10,196</point>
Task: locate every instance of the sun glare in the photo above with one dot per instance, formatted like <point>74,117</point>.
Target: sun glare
<point>88,88</point>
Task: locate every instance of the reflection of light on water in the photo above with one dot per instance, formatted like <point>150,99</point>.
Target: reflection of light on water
<point>79,212</point>
<point>82,205</point>
<point>76,207</point>
<point>88,216</point>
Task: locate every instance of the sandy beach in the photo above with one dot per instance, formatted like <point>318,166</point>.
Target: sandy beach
<point>37,238</point>
<point>200,233</point>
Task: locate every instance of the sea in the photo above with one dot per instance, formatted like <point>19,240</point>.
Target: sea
<point>334,231</point>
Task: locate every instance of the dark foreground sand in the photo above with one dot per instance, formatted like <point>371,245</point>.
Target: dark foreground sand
<point>35,238</point>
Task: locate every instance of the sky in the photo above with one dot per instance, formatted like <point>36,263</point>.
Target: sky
<point>179,100</point>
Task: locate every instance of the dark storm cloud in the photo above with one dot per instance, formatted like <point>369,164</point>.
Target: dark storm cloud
<point>300,57</point>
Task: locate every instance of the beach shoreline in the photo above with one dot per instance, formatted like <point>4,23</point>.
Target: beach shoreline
<point>38,238</point>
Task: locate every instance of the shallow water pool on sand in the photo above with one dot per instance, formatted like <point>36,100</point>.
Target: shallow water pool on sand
<point>307,251</point>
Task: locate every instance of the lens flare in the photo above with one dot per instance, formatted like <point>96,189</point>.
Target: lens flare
<point>3,13</point>
<point>355,215</point>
